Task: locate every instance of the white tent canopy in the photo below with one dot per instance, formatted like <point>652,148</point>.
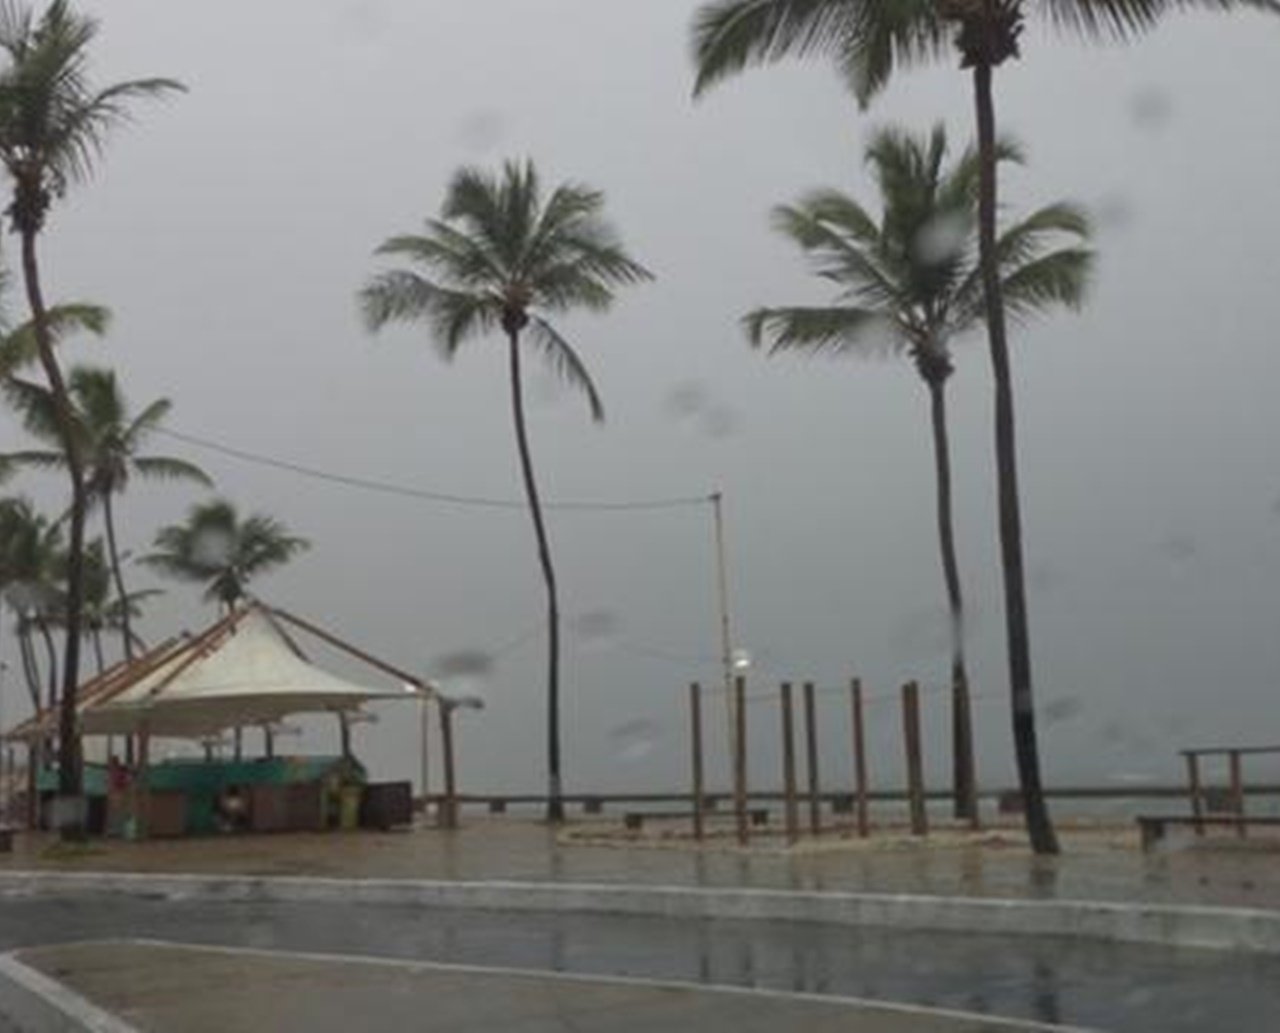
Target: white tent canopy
<point>245,671</point>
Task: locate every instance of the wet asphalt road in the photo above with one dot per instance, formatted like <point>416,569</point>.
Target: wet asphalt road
<point>1108,987</point>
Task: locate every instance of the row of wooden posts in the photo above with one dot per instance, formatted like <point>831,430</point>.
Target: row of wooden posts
<point>919,817</point>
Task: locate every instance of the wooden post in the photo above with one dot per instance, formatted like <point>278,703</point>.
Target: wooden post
<point>740,759</point>
<point>811,757</point>
<point>449,805</point>
<point>915,761</point>
<point>859,758</point>
<point>239,744</point>
<point>789,766</point>
<point>1197,794</point>
<point>695,745</point>
<point>268,742</point>
<point>1237,791</point>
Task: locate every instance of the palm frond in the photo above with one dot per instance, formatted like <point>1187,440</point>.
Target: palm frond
<point>35,459</point>
<point>836,257</point>
<point>868,39</point>
<point>402,296</point>
<point>19,348</point>
<point>561,358</point>
<point>35,406</point>
<point>168,468</point>
<point>1060,278</point>
<point>835,330</point>
<point>1124,19</point>
<point>148,420</point>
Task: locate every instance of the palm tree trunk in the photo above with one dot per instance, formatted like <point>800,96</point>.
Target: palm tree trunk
<point>964,781</point>
<point>97,649</point>
<point>30,669</point>
<point>108,518</point>
<point>1039,824</point>
<point>555,788</point>
<point>69,774</point>
<point>51,652</point>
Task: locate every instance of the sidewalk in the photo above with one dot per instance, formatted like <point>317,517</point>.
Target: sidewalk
<point>1093,866</point>
<point>167,989</point>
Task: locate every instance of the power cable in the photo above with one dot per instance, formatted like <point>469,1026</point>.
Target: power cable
<point>405,491</point>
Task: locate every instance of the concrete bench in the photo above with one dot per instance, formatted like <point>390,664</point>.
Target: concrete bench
<point>1153,827</point>
<point>634,820</point>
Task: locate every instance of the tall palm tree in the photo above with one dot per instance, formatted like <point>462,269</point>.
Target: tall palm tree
<point>108,439</point>
<point>910,281</point>
<point>868,40</point>
<point>53,125</point>
<point>505,256</point>
<point>218,549</point>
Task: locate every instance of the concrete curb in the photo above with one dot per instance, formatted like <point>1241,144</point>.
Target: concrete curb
<point>594,979</point>
<point>35,1003</point>
<point>1240,929</point>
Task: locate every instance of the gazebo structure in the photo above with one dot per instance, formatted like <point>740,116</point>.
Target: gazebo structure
<point>246,670</point>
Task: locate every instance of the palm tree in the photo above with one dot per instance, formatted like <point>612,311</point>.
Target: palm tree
<point>108,440</point>
<point>32,565</point>
<point>53,125</point>
<point>868,40</point>
<point>910,281</point>
<point>505,257</point>
<point>102,610</point>
<point>224,553</point>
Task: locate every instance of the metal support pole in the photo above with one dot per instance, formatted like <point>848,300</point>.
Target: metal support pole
<point>740,760</point>
<point>811,758</point>
<point>449,805</point>
<point>1197,794</point>
<point>722,594</point>
<point>915,759</point>
<point>859,758</point>
<point>695,744</point>
<point>425,703</point>
<point>789,766</point>
<point>1237,791</point>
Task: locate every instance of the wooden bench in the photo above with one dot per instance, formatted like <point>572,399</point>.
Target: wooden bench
<point>634,820</point>
<point>1152,827</point>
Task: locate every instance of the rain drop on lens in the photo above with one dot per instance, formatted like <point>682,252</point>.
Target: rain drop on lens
<point>634,740</point>
<point>212,548</point>
<point>597,629</point>
<point>465,674</point>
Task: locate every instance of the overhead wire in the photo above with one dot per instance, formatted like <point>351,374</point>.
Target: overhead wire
<point>425,494</point>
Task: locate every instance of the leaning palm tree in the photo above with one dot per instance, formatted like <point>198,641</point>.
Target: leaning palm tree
<point>505,257</point>
<point>108,439</point>
<point>910,281</point>
<point>53,125</point>
<point>868,40</point>
<point>218,549</point>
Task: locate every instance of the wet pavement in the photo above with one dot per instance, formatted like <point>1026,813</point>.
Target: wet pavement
<point>1124,988</point>
<point>165,990</point>
<point>1095,865</point>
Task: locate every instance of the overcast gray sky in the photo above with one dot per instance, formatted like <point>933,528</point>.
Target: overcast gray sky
<point>230,229</point>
